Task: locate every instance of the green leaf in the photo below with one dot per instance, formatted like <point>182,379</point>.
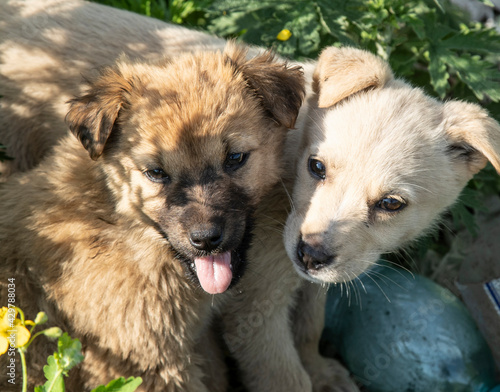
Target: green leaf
<point>69,352</point>
<point>482,77</point>
<point>228,25</point>
<point>188,12</point>
<point>120,385</point>
<point>486,182</point>
<point>68,355</point>
<point>477,73</point>
<point>308,25</point>
<point>438,70</point>
<point>335,17</point>
<point>478,39</point>
<point>487,2</point>
<point>470,198</point>
<point>439,5</point>
<point>54,374</point>
<point>415,23</point>
<point>460,214</point>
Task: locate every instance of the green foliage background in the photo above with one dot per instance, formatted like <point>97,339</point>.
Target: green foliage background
<point>431,43</point>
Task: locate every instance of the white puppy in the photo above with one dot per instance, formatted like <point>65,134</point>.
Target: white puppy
<point>379,163</point>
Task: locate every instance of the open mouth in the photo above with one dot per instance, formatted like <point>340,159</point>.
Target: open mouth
<point>216,272</point>
<point>221,269</point>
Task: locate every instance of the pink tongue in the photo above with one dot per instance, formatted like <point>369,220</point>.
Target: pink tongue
<point>214,272</point>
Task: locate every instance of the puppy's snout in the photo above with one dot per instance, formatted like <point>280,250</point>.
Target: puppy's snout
<point>206,237</point>
<point>313,257</point>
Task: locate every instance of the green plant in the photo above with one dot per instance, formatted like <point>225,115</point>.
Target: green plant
<point>67,356</point>
<point>154,8</point>
<point>429,42</point>
<point>190,12</point>
<point>14,334</point>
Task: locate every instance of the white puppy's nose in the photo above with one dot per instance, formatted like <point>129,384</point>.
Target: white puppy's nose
<point>313,257</point>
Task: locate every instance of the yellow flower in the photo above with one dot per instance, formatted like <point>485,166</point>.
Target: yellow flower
<point>12,331</point>
<point>284,35</point>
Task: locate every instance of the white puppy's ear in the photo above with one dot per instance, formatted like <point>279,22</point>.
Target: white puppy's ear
<point>473,135</point>
<point>342,72</point>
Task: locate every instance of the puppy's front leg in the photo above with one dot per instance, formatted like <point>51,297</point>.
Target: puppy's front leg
<point>258,333</point>
<point>327,374</point>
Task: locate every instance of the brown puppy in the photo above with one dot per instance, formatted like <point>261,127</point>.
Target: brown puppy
<point>115,241</point>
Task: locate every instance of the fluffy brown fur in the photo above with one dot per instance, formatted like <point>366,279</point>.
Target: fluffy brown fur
<point>102,237</point>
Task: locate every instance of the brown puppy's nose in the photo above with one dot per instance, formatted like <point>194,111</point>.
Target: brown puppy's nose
<point>313,257</point>
<point>206,238</point>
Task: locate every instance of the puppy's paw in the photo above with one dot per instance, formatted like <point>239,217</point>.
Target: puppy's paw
<point>328,375</point>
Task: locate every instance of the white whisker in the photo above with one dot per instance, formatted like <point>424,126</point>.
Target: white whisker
<point>374,281</point>
<point>354,288</point>
<point>384,277</point>
<point>397,269</point>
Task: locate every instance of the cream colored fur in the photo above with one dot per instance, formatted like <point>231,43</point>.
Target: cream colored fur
<point>378,138</point>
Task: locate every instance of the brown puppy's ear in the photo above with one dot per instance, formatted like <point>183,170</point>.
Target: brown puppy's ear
<point>280,87</point>
<point>473,135</point>
<point>342,72</point>
<point>93,115</point>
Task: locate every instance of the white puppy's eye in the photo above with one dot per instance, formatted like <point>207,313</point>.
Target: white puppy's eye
<point>316,168</point>
<point>391,204</point>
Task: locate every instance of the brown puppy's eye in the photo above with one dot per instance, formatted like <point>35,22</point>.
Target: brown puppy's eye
<point>317,169</point>
<point>391,204</point>
<point>157,175</point>
<point>235,160</point>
